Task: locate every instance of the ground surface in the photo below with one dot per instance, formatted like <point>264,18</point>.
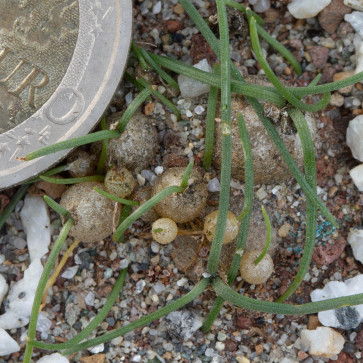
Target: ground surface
<point>157,273</point>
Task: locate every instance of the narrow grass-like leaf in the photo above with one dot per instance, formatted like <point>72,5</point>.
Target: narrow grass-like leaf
<point>262,92</point>
<point>244,213</point>
<point>327,87</point>
<point>132,108</point>
<point>41,285</point>
<point>102,314</point>
<point>103,154</point>
<point>12,204</point>
<point>82,179</point>
<point>50,172</point>
<point>244,218</point>
<point>273,78</point>
<point>151,203</point>
<point>125,212</point>
<point>175,305</point>
<point>144,208</point>
<point>315,81</point>
<point>214,43</point>
<point>248,303</point>
<point>139,56</point>
<point>57,207</point>
<point>162,98</point>
<point>225,107</point>
<point>166,77</point>
<point>116,198</point>
<point>311,209</point>
<point>268,236</point>
<point>209,123</point>
<point>71,143</point>
<point>281,49</point>
<point>185,180</point>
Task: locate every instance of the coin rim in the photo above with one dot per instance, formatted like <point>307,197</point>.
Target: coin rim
<point>19,173</point>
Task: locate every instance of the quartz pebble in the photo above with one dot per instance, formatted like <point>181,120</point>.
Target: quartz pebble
<point>322,342</point>
<point>356,21</point>
<point>35,218</point>
<point>70,272</point>
<point>304,9</point>
<point>190,88</point>
<point>355,239</point>
<point>3,288</point>
<point>357,176</point>
<point>21,297</point>
<point>259,6</point>
<point>348,317</point>
<point>7,344</point>
<point>53,358</point>
<point>183,323</point>
<point>355,137</point>
<point>355,4</point>
<point>213,185</point>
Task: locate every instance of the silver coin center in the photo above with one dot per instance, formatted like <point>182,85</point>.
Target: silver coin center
<point>37,41</point>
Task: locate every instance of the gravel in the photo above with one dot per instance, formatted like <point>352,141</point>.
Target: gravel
<point>154,277</point>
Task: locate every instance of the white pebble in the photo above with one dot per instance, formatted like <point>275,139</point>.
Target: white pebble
<point>356,21</point>
<point>357,176</point>
<point>35,218</point>
<point>213,185</point>
<point>136,358</point>
<point>190,88</point>
<point>355,4</point>
<point>304,9</point>
<point>355,137</point>
<point>70,272</point>
<point>3,288</point>
<point>349,317</point>
<point>322,342</point>
<point>124,263</point>
<point>140,286</point>
<point>90,299</point>
<point>53,358</point>
<point>220,346</point>
<point>7,344</point>
<point>97,349</point>
<point>21,297</point>
<point>43,323</point>
<point>260,6</point>
<point>182,281</point>
<point>355,239</point>
<point>199,110</point>
<point>157,8</point>
<point>159,170</point>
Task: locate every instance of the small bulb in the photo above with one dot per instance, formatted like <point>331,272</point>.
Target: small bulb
<point>231,230</point>
<point>256,274</point>
<point>164,230</point>
<point>120,182</point>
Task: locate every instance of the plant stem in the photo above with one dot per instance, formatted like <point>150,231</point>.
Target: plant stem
<point>12,204</point>
<point>93,324</point>
<point>115,198</point>
<point>245,217</point>
<point>225,107</point>
<point>71,143</point>
<point>311,209</point>
<point>103,155</point>
<point>248,303</point>
<point>268,236</point>
<point>209,123</point>
<point>41,286</point>
<point>175,305</point>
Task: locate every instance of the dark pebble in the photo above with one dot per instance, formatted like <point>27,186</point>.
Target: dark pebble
<point>244,323</point>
